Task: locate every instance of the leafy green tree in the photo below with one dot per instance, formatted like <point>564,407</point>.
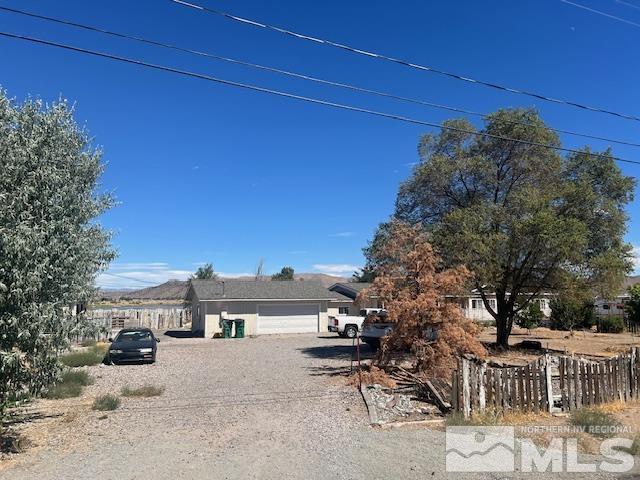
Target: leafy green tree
<point>364,275</point>
<point>51,247</point>
<point>285,274</point>
<point>530,316</point>
<point>633,305</point>
<point>205,272</point>
<point>523,218</point>
<point>570,313</point>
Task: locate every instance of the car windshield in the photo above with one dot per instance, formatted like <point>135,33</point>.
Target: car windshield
<point>135,336</point>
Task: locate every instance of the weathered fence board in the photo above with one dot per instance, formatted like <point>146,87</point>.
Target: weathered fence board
<point>578,383</point>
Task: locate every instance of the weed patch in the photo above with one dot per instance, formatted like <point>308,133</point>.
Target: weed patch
<point>596,421</point>
<point>70,385</point>
<point>146,391</point>
<point>106,402</point>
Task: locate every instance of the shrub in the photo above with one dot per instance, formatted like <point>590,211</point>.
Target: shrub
<point>570,314</point>
<point>594,420</point>
<point>64,390</point>
<point>70,385</point>
<point>530,316</point>
<point>106,402</point>
<point>88,343</point>
<point>94,356</point>
<point>81,377</point>
<point>610,325</point>
<point>146,391</point>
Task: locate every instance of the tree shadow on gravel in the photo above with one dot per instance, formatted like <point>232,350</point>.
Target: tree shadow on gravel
<point>345,352</point>
<point>179,334</point>
<point>331,371</point>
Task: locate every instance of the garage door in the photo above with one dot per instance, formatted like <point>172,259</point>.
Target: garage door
<point>287,319</point>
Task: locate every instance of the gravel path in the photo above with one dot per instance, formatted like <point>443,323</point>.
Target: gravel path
<point>269,407</point>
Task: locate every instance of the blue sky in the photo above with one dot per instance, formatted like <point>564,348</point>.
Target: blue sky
<point>209,173</point>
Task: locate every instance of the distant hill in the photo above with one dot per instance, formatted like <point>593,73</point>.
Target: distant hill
<point>177,289</point>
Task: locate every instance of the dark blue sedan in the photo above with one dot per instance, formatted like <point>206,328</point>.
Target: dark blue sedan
<point>133,345</point>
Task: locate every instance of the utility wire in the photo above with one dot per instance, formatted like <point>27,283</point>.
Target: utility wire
<point>600,12</point>
<point>316,101</point>
<point>403,62</point>
<point>628,4</point>
<point>129,278</point>
<point>299,75</point>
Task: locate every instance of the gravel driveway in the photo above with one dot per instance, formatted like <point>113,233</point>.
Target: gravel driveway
<point>268,407</point>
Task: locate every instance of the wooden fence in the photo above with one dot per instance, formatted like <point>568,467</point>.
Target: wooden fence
<point>154,318</point>
<point>547,384</point>
<point>478,387</point>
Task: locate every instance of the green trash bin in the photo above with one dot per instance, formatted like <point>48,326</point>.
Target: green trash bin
<point>226,328</point>
<point>239,328</point>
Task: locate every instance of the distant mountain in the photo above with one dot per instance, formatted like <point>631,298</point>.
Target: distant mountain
<point>177,289</point>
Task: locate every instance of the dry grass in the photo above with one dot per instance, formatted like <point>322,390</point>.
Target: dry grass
<point>596,421</point>
<point>70,385</point>
<point>106,402</point>
<point>146,391</point>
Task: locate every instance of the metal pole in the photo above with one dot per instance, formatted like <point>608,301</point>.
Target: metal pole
<point>358,353</point>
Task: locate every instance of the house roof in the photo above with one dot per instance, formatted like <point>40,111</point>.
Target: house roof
<point>260,289</point>
<point>349,289</point>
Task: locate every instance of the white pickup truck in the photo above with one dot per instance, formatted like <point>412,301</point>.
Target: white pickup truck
<point>349,325</point>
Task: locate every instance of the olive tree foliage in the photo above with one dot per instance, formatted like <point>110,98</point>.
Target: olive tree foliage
<point>523,218</point>
<point>205,272</point>
<point>286,273</point>
<point>51,248</point>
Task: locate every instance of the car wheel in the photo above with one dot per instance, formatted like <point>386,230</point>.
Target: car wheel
<point>350,331</point>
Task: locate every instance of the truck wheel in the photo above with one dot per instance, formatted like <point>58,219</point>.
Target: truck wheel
<point>350,331</point>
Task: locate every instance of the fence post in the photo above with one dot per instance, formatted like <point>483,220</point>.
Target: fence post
<point>549,385</point>
<point>466,397</point>
<point>482,391</point>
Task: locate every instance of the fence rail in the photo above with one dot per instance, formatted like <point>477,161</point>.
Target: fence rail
<point>547,384</point>
<point>110,320</point>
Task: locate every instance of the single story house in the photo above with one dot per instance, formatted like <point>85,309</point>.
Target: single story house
<point>349,291</point>
<point>266,307</point>
<point>471,304</point>
<point>474,309</point>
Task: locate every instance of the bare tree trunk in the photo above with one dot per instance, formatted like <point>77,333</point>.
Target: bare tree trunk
<point>503,320</point>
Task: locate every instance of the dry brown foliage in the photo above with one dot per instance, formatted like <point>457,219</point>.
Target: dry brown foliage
<point>416,292</point>
<point>372,375</point>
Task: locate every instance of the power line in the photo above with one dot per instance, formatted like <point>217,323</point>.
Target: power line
<point>299,75</point>
<point>316,101</point>
<point>600,12</point>
<point>128,278</point>
<point>406,63</point>
<point>628,4</point>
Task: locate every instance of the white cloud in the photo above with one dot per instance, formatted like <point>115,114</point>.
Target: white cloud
<point>336,269</point>
<point>235,274</point>
<point>341,234</point>
<point>139,275</point>
<point>636,259</point>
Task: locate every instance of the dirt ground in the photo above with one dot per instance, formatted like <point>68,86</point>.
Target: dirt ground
<point>269,407</point>
<point>586,343</point>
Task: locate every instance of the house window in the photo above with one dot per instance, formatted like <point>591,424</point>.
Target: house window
<point>605,306</point>
<point>475,304</point>
<point>543,303</point>
<point>343,310</point>
<point>492,303</point>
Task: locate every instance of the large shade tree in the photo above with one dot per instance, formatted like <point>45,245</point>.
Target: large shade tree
<point>522,217</point>
<point>51,247</point>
